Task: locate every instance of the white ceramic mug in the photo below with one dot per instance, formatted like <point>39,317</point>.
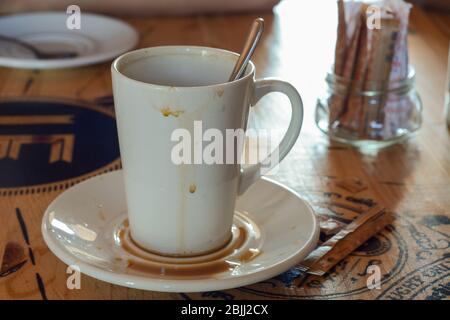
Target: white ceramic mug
<point>185,209</point>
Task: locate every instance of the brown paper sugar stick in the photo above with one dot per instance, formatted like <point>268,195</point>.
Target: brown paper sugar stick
<point>329,253</point>
<point>341,41</point>
<point>339,102</point>
<point>351,119</point>
<point>336,101</point>
<point>378,73</point>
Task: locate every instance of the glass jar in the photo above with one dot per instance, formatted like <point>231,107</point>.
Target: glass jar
<point>371,113</point>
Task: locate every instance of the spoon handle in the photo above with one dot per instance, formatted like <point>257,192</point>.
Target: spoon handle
<point>38,53</point>
<point>249,46</point>
<point>21,43</point>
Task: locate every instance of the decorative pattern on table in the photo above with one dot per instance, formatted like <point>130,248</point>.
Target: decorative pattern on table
<point>48,145</point>
<point>15,257</point>
<point>414,239</point>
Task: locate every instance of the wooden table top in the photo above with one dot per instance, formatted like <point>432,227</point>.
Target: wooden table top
<point>411,179</point>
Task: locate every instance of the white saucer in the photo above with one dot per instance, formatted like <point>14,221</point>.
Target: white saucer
<point>85,226</point>
<point>100,38</point>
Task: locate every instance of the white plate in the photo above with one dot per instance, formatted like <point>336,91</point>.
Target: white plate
<point>81,226</point>
<point>100,38</point>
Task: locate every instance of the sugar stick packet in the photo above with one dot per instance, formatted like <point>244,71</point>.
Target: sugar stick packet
<point>329,253</point>
<point>368,53</point>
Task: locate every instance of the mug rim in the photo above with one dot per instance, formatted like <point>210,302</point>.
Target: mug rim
<point>149,51</point>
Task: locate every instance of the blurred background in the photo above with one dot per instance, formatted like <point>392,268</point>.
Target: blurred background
<point>169,7</point>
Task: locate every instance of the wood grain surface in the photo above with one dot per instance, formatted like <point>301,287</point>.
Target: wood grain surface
<point>412,179</point>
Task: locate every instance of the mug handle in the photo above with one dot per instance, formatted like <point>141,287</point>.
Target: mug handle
<point>262,87</point>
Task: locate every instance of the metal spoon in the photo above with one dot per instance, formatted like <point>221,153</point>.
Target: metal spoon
<point>249,47</point>
<point>37,52</point>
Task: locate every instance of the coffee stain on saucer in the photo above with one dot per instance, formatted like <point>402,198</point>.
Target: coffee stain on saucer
<point>250,254</point>
<point>167,112</point>
<point>202,267</point>
<point>204,270</point>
